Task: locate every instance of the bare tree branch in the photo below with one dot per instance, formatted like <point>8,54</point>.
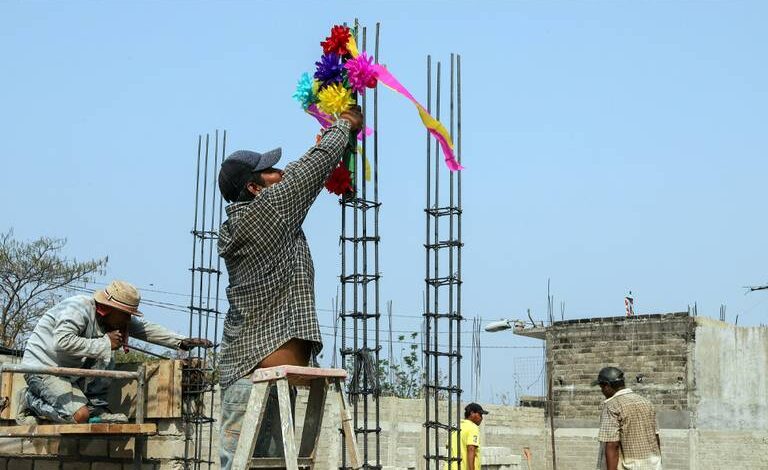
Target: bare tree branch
<point>32,278</point>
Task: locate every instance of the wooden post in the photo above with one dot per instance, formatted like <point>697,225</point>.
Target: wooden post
<point>286,425</point>
<point>551,411</point>
<point>254,413</point>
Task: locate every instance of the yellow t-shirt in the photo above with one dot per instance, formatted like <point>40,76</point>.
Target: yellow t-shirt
<point>470,436</point>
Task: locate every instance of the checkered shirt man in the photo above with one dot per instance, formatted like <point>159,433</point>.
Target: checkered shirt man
<point>630,419</point>
<point>271,275</point>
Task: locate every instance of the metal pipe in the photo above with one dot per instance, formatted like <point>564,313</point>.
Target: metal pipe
<point>67,371</point>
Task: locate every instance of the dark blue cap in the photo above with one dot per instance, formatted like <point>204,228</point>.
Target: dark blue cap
<point>237,168</point>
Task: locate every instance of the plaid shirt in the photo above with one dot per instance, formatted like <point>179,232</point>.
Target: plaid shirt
<point>271,277</point>
<point>630,419</point>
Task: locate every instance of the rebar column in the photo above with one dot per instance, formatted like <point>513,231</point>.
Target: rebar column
<point>198,377</point>
<point>360,306</point>
<point>442,307</point>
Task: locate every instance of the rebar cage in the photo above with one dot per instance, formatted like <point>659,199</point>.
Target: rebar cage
<point>360,303</point>
<point>199,376</point>
<point>442,307</point>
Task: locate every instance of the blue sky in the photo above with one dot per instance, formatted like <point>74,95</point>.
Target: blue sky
<point>609,145</point>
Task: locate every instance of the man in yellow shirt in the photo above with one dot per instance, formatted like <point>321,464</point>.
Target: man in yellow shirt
<point>470,439</point>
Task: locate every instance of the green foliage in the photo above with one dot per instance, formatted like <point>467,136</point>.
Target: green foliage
<point>403,378</point>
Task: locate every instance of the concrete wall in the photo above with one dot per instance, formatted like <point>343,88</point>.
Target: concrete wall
<point>730,395</point>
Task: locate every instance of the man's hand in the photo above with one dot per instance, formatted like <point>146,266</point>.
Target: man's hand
<point>354,115</point>
<point>115,338</point>
<point>189,343</point>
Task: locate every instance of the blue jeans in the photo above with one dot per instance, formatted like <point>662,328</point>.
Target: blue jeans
<point>234,401</point>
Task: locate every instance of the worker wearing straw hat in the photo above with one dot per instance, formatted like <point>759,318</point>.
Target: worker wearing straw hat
<point>82,332</point>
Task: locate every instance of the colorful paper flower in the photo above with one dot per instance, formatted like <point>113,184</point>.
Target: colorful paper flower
<point>340,181</point>
<point>335,99</point>
<point>306,91</point>
<point>329,69</point>
<point>337,41</point>
<point>360,72</point>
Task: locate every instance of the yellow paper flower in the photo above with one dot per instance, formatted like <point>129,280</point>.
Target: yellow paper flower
<point>335,99</point>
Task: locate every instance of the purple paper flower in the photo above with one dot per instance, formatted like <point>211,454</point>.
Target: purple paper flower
<point>329,69</point>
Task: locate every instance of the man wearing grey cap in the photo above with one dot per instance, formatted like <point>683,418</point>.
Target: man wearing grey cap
<point>629,434</point>
<point>272,319</point>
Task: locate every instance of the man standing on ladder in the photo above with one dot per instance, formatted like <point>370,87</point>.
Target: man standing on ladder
<point>272,319</point>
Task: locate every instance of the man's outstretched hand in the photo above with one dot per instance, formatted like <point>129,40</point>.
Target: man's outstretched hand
<point>189,343</point>
<point>355,117</point>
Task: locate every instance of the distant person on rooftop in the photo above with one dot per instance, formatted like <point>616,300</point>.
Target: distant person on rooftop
<point>629,434</point>
<point>82,332</point>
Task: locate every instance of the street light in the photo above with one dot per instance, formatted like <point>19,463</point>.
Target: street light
<point>502,325</point>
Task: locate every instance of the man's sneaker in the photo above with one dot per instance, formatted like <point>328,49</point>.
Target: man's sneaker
<point>112,418</point>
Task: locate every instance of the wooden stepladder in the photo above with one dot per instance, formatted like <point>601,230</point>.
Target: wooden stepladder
<point>318,381</point>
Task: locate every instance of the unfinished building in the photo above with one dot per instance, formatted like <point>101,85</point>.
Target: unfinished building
<point>706,378</point>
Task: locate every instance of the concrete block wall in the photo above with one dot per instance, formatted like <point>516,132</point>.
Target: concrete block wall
<point>655,347</point>
<point>163,451</point>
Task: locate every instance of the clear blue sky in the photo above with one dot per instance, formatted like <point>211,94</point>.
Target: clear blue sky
<point>609,145</point>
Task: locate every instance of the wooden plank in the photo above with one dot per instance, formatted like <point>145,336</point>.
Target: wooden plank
<point>297,373</point>
<point>163,390</point>
<point>57,430</point>
<point>6,392</point>
<point>313,418</point>
<point>277,463</point>
<point>254,414</point>
<point>286,425</point>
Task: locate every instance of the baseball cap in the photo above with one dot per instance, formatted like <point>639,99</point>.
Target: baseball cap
<point>609,375</point>
<point>237,168</point>
<point>475,408</point>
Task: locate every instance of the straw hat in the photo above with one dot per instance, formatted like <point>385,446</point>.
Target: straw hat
<point>120,295</point>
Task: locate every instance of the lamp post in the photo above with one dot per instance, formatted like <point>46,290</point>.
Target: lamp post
<point>506,324</point>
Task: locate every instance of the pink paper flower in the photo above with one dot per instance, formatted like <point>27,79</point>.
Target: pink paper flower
<point>361,73</point>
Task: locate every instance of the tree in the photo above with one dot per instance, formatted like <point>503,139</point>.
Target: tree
<point>32,278</point>
<point>402,379</point>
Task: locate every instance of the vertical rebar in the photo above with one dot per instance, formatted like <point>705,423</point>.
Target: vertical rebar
<point>427,263</point>
<point>377,206</point>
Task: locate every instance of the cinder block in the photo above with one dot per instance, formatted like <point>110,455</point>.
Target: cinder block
<point>46,465</point>
<point>20,464</point>
<point>170,427</point>
<point>162,448</point>
<point>94,447</point>
<point>121,447</point>
<point>10,446</point>
<point>107,466</point>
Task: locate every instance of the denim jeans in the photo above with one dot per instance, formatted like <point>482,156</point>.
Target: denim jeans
<point>234,401</point>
